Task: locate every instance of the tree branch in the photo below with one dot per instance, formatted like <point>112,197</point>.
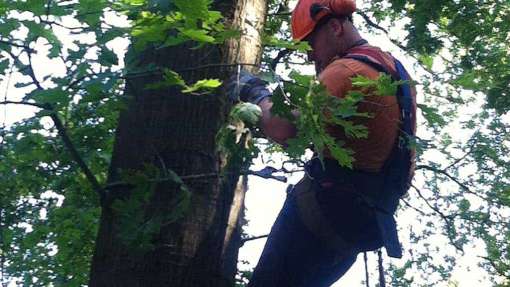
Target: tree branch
<point>454,163</point>
<point>23,46</point>
<point>498,269</point>
<point>447,218</point>
<point>243,241</point>
<point>370,22</point>
<point>445,173</point>
<point>41,106</point>
<point>60,128</point>
<point>76,156</point>
<point>279,56</point>
<point>421,212</point>
<point>215,66</point>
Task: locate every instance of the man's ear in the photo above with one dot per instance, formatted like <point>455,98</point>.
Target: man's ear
<point>337,26</point>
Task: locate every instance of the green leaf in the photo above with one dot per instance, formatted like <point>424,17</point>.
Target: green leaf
<point>4,65</point>
<point>198,35</point>
<point>467,80</point>
<point>37,31</point>
<point>427,61</point>
<point>193,10</point>
<point>301,46</point>
<point>170,79</point>
<point>108,57</point>
<point>90,12</point>
<point>50,96</point>
<point>206,84</point>
<point>431,114</point>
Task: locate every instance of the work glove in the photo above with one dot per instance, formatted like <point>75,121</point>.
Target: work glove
<point>246,87</point>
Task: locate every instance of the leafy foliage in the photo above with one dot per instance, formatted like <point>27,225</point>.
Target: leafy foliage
<point>137,228</point>
<point>50,211</point>
<point>318,110</point>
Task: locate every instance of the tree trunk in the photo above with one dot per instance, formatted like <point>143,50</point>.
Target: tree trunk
<point>141,242</point>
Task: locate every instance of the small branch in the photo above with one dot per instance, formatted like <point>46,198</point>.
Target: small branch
<point>471,147</point>
<point>497,268</point>
<point>41,106</point>
<point>445,173</point>
<point>434,208</point>
<point>447,218</point>
<point>280,14</point>
<point>216,66</point>
<point>279,56</point>
<point>25,47</point>
<point>370,22</point>
<point>421,212</point>
<point>158,71</point>
<point>243,241</point>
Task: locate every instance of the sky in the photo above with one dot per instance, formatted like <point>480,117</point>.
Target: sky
<point>265,196</point>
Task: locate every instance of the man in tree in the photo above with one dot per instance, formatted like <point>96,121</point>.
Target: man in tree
<point>336,212</point>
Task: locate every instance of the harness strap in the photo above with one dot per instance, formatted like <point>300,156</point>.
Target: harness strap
<point>367,277</point>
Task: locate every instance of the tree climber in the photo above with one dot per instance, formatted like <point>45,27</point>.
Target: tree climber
<point>334,213</point>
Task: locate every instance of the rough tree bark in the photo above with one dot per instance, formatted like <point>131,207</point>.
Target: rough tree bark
<point>176,131</point>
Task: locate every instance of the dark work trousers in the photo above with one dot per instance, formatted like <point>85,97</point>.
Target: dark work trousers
<point>294,257</point>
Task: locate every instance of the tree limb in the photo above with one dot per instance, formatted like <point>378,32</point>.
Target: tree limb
<point>60,128</point>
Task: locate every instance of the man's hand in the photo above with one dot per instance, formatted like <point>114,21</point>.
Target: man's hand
<point>246,87</point>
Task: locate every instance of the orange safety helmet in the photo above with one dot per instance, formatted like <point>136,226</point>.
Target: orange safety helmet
<point>308,13</point>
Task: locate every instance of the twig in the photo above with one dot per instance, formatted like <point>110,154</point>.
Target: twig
<point>447,218</point>
<point>243,241</point>
<point>280,14</point>
<point>370,22</point>
<point>25,47</point>
<point>497,268</point>
<point>215,66</point>
<point>471,147</point>
<point>421,212</point>
<point>279,56</point>
<point>41,106</point>
<point>445,173</point>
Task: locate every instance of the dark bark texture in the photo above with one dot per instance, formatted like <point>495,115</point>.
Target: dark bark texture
<point>170,130</point>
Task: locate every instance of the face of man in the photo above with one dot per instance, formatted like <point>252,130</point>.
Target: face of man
<point>324,42</point>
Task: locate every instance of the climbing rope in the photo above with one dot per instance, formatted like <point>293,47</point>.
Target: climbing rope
<point>367,277</point>
<point>382,282</point>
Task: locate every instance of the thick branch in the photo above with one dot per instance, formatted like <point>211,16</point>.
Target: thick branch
<point>60,128</point>
<point>75,155</point>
